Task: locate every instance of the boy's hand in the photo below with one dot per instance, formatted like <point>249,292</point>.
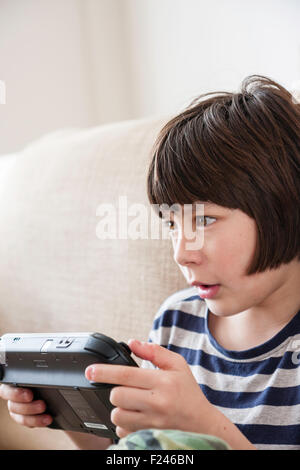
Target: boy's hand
<point>23,409</point>
<point>164,398</point>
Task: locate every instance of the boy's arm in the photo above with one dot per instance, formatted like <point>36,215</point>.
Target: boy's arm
<point>88,442</point>
<point>217,424</point>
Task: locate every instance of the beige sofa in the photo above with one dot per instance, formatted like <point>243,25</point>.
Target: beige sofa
<point>56,274</point>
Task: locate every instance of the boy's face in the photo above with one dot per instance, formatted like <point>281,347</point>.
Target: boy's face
<point>227,251</point>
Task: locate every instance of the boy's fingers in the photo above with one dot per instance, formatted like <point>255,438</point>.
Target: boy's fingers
<point>134,376</point>
<point>20,395</point>
<point>35,407</point>
<point>129,398</point>
<point>32,421</point>
<point>130,420</point>
<point>158,355</point>
<point>120,375</point>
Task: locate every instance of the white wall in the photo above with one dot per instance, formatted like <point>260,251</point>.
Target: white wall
<point>41,62</point>
<point>105,34</point>
<point>181,48</point>
<point>64,63</point>
<point>87,62</point>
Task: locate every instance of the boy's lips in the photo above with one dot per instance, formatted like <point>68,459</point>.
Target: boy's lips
<point>207,291</point>
<point>203,284</point>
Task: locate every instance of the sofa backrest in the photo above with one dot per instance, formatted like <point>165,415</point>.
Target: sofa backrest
<point>56,274</point>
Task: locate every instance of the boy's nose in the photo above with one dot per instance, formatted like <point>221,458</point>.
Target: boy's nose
<point>186,251</point>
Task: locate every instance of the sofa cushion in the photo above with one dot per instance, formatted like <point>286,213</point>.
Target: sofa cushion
<point>56,274</point>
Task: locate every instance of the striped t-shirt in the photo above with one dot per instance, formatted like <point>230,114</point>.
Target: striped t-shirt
<point>257,389</point>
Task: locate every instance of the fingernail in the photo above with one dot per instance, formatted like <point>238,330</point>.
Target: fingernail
<point>47,420</point>
<point>135,340</point>
<point>90,373</point>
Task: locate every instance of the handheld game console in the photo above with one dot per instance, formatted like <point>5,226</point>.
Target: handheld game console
<point>53,365</point>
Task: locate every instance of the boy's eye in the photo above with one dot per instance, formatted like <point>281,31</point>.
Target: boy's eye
<point>199,222</point>
<point>170,224</point>
<point>201,218</point>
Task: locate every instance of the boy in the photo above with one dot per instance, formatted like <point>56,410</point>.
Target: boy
<point>222,358</point>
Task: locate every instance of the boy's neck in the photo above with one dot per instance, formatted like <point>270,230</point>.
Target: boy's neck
<point>258,324</point>
<point>247,333</point>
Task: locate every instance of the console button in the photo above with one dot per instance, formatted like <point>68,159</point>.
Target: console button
<point>97,344</point>
<point>126,347</point>
<point>65,342</point>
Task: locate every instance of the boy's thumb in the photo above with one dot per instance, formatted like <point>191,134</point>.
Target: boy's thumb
<point>159,356</point>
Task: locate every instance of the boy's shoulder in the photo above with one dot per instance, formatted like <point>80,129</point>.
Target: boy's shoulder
<point>186,300</point>
<point>181,315</point>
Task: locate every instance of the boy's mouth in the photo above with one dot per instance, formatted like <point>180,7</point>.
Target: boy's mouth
<point>201,284</point>
<point>207,291</point>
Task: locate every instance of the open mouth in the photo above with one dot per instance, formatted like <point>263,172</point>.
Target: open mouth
<point>208,291</point>
<point>208,285</point>
<point>204,286</point>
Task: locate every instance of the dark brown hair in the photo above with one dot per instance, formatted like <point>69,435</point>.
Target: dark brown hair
<point>241,151</point>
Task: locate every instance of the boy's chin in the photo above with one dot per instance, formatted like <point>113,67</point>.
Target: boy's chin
<point>220,309</point>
